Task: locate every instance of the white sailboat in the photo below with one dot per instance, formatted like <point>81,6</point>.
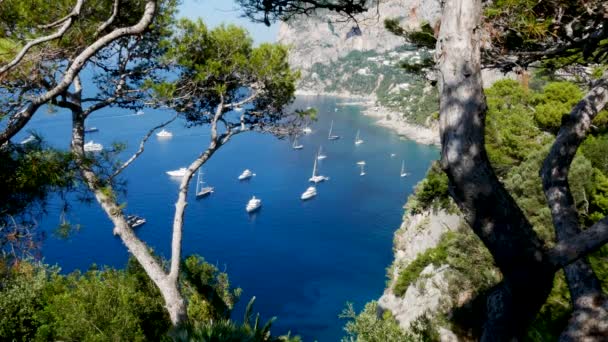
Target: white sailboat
<point>164,134</point>
<point>358,140</point>
<point>139,112</point>
<point>362,162</point>
<point>403,173</point>
<point>181,172</point>
<point>309,193</point>
<point>135,221</point>
<point>320,154</point>
<point>316,178</point>
<point>296,145</point>
<point>253,204</point>
<point>330,136</point>
<point>93,147</point>
<point>201,189</point>
<point>362,173</point>
<point>307,130</point>
<point>246,174</point>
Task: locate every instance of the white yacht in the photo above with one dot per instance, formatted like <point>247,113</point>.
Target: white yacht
<point>296,145</point>
<point>28,140</point>
<point>201,189</point>
<point>164,134</point>
<point>362,162</point>
<point>238,109</point>
<point>358,140</point>
<point>246,174</point>
<point>307,130</point>
<point>309,193</point>
<point>362,173</point>
<point>332,136</point>
<point>403,173</point>
<point>181,172</point>
<point>253,204</point>
<point>91,129</point>
<point>316,178</point>
<point>93,147</point>
<point>140,112</point>
<point>393,155</point>
<point>320,154</point>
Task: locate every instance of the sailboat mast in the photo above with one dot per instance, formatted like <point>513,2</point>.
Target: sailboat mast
<point>314,168</point>
<point>198,181</point>
<point>330,128</point>
<point>402,166</point>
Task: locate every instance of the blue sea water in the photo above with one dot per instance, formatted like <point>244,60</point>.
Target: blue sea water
<point>302,260</point>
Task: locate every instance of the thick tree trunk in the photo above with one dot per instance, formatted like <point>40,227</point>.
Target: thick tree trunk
<point>485,203</point>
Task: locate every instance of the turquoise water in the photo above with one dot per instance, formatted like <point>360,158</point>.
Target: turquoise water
<point>302,260</point>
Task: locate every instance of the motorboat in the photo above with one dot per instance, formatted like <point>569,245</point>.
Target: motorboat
<point>307,130</point>
<point>28,140</point>
<point>362,162</point>
<point>139,112</point>
<point>253,204</point>
<point>309,193</point>
<point>135,221</point>
<point>246,174</point>
<point>91,129</point>
<point>164,134</point>
<point>181,172</point>
<point>93,147</point>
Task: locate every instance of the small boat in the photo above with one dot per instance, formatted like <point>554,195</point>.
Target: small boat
<point>135,221</point>
<point>93,147</point>
<point>393,155</point>
<point>316,178</point>
<point>164,134</point>
<point>139,112</point>
<point>362,169</point>
<point>246,174</point>
<point>362,162</point>
<point>296,145</point>
<point>358,140</point>
<point>335,109</point>
<point>201,189</point>
<point>181,172</point>
<point>253,204</point>
<point>238,109</point>
<point>307,130</point>
<point>331,136</point>
<point>403,173</point>
<point>91,129</point>
<point>320,154</point>
<point>309,193</point>
<point>28,140</point>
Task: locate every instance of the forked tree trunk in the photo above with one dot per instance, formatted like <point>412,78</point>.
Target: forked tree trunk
<point>486,205</point>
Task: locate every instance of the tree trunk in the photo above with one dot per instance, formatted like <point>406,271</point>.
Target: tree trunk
<point>168,286</point>
<point>486,205</point>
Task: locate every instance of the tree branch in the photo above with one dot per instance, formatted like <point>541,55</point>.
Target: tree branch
<point>19,120</point>
<point>567,251</point>
<point>67,22</point>
<point>141,147</point>
<point>108,22</point>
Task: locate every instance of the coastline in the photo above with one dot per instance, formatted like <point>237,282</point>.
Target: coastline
<point>385,117</point>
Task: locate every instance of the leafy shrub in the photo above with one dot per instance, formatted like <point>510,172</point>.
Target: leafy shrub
<point>431,192</point>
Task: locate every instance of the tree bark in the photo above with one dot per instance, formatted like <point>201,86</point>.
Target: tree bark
<point>486,205</point>
<point>590,316</point>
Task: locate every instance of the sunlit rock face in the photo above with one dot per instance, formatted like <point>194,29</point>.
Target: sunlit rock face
<point>326,37</point>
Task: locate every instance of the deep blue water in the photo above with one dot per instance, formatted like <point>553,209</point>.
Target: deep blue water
<point>302,260</point>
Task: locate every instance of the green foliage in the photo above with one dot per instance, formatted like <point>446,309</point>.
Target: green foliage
<point>370,326</point>
<point>431,192</point>
<point>595,148</point>
<point>222,65</point>
<point>432,256</point>
<point>39,303</point>
<point>228,331</point>
<point>424,37</point>
<point>555,101</point>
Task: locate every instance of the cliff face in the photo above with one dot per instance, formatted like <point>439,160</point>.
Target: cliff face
<point>326,37</point>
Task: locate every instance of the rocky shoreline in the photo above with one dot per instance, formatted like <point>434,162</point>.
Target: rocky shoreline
<point>386,117</point>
